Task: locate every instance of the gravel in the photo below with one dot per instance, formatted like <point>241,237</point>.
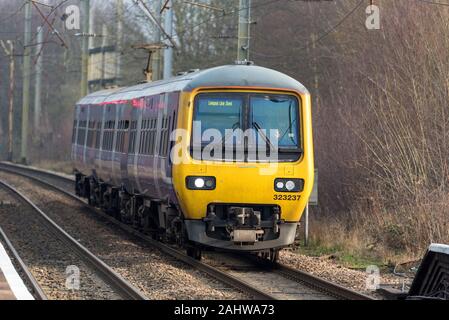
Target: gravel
<point>165,271</point>
<point>156,275</point>
<point>45,255</point>
<point>270,281</point>
<point>327,268</point>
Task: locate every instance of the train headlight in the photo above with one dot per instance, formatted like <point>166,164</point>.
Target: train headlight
<point>280,185</point>
<point>288,185</point>
<point>201,183</point>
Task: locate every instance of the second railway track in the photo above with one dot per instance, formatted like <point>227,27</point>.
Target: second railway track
<point>133,255</point>
<point>251,276</point>
<point>24,271</point>
<point>57,248</point>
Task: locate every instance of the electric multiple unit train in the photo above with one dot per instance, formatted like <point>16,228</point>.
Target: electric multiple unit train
<point>165,156</point>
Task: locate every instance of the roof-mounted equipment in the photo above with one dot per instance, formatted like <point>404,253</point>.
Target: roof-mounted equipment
<point>244,63</point>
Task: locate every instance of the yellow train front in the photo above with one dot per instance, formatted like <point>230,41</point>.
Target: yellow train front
<point>217,158</point>
<point>245,191</point>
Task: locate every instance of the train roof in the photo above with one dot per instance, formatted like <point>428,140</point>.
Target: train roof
<point>218,77</point>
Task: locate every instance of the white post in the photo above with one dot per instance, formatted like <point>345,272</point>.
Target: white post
<point>306,226</point>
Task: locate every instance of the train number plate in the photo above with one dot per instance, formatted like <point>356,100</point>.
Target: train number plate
<point>286,197</point>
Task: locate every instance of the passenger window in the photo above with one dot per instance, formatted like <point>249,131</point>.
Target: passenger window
<point>75,123</point>
<point>98,135</point>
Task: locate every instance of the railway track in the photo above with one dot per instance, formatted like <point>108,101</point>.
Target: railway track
<point>113,280</point>
<point>282,282</point>
<point>253,276</point>
<point>31,282</point>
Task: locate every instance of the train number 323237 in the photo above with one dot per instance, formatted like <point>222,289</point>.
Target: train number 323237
<point>285,197</point>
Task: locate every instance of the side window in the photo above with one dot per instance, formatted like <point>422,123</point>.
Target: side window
<point>121,132</point>
<point>168,124</point>
<point>164,134</point>
<point>111,136</point>
<point>153,133</point>
<point>172,128</point>
<point>108,136</point>
<point>98,135</point>
<point>132,138</point>
<point>142,137</point>
<point>105,136</point>
<point>75,123</point>
<point>148,136</point>
<point>81,132</point>
<point>90,134</point>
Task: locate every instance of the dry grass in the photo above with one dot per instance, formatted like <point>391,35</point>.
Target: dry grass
<point>391,120</point>
<point>388,235</point>
<point>381,119</point>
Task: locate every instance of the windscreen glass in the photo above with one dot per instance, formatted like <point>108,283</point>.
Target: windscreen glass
<point>275,117</point>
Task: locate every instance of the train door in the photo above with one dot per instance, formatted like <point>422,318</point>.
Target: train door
<point>81,137</point>
<point>168,124</point>
<point>75,134</point>
<point>110,122</point>
<point>158,162</point>
<point>173,103</point>
<point>94,130</point>
<point>120,170</point>
<point>134,145</point>
<point>162,169</point>
<point>146,147</point>
<point>99,167</point>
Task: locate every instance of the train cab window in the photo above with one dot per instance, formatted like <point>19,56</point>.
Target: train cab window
<point>268,121</point>
<point>219,111</point>
<point>278,116</point>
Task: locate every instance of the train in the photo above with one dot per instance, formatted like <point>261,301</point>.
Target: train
<point>219,159</point>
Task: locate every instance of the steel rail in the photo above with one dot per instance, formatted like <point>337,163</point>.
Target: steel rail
<point>320,284</point>
<point>30,280</point>
<point>106,273</point>
<point>308,279</point>
<point>31,170</point>
<point>177,254</point>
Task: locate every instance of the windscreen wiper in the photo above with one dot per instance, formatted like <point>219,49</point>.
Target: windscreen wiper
<point>226,136</point>
<point>263,135</point>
